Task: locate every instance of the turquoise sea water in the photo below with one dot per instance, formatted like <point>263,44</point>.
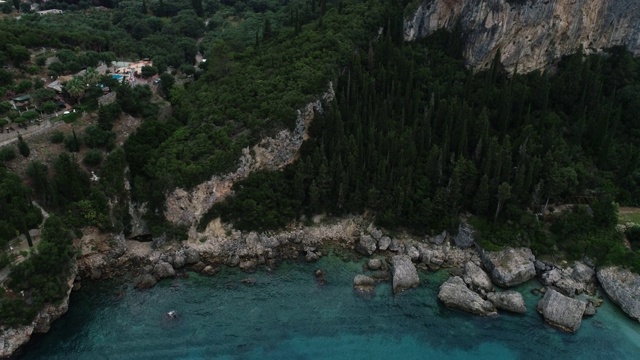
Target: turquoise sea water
<point>286,314</point>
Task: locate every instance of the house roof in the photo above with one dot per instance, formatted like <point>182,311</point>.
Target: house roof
<point>55,86</point>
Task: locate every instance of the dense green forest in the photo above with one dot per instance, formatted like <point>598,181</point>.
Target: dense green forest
<point>413,138</point>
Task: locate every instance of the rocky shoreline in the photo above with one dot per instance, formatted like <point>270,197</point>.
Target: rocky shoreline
<point>479,285</point>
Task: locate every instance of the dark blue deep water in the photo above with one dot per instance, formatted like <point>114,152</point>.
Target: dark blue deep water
<point>286,314</point>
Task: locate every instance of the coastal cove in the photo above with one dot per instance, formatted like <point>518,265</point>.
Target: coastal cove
<point>287,313</point>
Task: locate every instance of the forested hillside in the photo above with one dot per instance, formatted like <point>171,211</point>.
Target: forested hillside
<point>413,138</point>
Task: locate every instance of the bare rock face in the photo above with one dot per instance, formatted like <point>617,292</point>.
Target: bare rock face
<point>529,33</point>
<point>405,275</point>
<point>509,267</point>
<point>454,293</point>
<point>623,287</point>
<point>561,311</point>
<point>509,301</point>
<point>476,278</point>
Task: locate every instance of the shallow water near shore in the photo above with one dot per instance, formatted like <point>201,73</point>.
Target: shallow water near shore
<point>287,314</point>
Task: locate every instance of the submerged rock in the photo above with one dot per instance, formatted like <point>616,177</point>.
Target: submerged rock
<point>561,311</point>
<point>454,293</point>
<point>145,281</point>
<point>509,267</point>
<point>405,275</point>
<point>623,287</point>
<point>364,283</point>
<point>374,264</point>
<point>508,300</point>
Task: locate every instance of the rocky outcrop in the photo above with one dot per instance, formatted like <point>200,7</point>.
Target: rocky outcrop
<point>530,33</point>
<point>464,239</point>
<point>561,311</point>
<point>623,287</point>
<point>509,301</point>
<point>476,278</point>
<point>12,338</point>
<point>186,208</point>
<point>455,294</point>
<point>405,275</point>
<point>509,267</point>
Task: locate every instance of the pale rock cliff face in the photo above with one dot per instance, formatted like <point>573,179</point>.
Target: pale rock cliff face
<point>186,208</point>
<point>531,33</point>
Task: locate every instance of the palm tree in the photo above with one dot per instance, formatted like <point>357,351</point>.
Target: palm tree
<point>75,87</point>
<point>91,76</point>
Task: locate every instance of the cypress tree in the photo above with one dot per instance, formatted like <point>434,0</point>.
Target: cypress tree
<point>23,148</point>
<point>481,199</point>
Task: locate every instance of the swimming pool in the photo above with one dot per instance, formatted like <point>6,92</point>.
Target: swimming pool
<point>117,76</point>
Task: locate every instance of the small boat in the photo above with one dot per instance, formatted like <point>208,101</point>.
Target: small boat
<point>172,314</point>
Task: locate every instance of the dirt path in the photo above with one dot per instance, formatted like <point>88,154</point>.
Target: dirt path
<point>8,138</point>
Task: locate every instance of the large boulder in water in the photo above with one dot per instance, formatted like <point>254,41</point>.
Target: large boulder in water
<point>366,245</point>
<point>623,287</point>
<point>561,311</point>
<point>454,293</point>
<point>405,275</point>
<point>508,300</point>
<point>509,267</point>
